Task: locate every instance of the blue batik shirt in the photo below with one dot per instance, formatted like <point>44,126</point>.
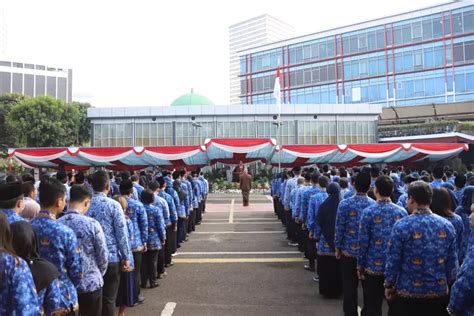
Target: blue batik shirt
<point>350,193</point>
<point>179,207</point>
<point>298,202</point>
<point>293,196</point>
<point>139,189</point>
<point>49,298</point>
<point>464,210</point>
<point>290,185</point>
<point>461,301</point>
<point>437,183</point>
<point>458,193</point>
<point>197,190</point>
<point>276,187</point>
<point>111,217</point>
<point>163,206</point>
<point>349,214</point>
<point>185,202</point>
<point>323,247</point>
<point>135,195</point>
<point>130,232</point>
<point>136,212</point>
<point>458,225</point>
<point>203,185</point>
<point>421,258</point>
<point>282,190</point>
<point>58,245</point>
<point>313,207</point>
<point>17,290</point>
<point>190,195</point>
<point>94,253</point>
<point>156,227</point>
<point>172,208</point>
<point>312,190</point>
<point>375,228</point>
<point>403,201</point>
<point>12,217</point>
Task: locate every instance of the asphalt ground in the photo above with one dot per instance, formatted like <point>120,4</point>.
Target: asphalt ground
<point>237,263</point>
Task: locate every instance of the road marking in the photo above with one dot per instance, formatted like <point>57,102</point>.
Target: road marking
<point>255,223</point>
<point>231,232</point>
<point>168,309</point>
<point>231,214</point>
<point>240,253</point>
<point>243,219</point>
<point>242,211</point>
<point>239,260</point>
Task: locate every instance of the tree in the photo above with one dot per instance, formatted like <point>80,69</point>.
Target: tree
<point>84,131</point>
<point>8,135</point>
<point>44,122</point>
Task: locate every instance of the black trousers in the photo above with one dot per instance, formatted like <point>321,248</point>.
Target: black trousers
<point>149,266</point>
<point>192,220</point>
<point>90,303</point>
<point>275,203</point>
<point>373,295</point>
<point>301,238</point>
<point>199,213</point>
<point>419,307</point>
<point>349,285</point>
<point>137,259</point>
<point>170,246</point>
<point>160,264</point>
<point>181,229</point>
<point>310,250</point>
<point>110,289</point>
<point>204,204</point>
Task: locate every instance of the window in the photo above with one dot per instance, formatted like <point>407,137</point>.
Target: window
<point>406,33</point>
<point>306,52</point>
<point>428,57</point>
<point>315,75</point>
<point>299,77</point>
<point>438,56</point>
<point>330,48</point>
<point>331,72</point>
<point>362,42</point>
<point>307,76</point>
<point>427,30</point>
<point>437,27</point>
<point>372,40</point>
<point>314,51</point>
<point>457,23</point>
<point>373,66</point>
<point>407,61</point>
<point>468,21</point>
<point>417,58</point>
<point>469,51</point>
<point>388,35</point>
<point>458,53</point>
<point>322,50</point>
<point>17,85</point>
<point>323,73</point>
<point>40,85</point>
<point>381,39</point>
<point>460,83</point>
<point>397,35</point>
<point>363,67</point>
<point>416,31</point>
<point>5,82</point>
<point>29,85</point>
<point>439,85</point>
<point>354,44</point>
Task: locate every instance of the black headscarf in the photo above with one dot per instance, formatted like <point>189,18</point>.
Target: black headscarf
<point>327,213</point>
<point>26,246</point>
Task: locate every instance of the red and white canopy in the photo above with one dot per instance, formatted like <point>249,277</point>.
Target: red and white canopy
<point>359,154</point>
<point>110,157</point>
<point>233,151</point>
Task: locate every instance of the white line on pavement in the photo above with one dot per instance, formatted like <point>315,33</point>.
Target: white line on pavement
<point>231,214</point>
<point>168,309</point>
<point>240,253</point>
<point>243,219</point>
<point>269,197</point>
<point>231,232</point>
<point>259,223</point>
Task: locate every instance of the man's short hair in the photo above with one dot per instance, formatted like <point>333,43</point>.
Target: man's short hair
<point>438,172</point>
<point>153,185</point>
<point>80,178</point>
<point>384,185</point>
<point>362,182</point>
<point>421,192</point>
<point>296,169</point>
<point>28,187</point>
<point>315,177</point>
<point>126,187</point>
<point>61,175</point>
<point>460,181</point>
<point>374,172</point>
<point>79,193</point>
<point>100,180</point>
<point>323,181</point>
<point>147,197</point>
<point>50,191</point>
<point>134,178</point>
<point>344,183</point>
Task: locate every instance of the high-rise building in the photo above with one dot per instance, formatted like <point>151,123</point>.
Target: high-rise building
<point>420,57</point>
<point>260,30</point>
<point>35,80</point>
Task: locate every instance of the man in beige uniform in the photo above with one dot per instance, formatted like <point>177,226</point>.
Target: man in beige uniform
<point>245,186</point>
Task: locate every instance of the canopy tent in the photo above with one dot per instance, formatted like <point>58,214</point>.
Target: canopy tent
<point>360,154</point>
<point>231,151</point>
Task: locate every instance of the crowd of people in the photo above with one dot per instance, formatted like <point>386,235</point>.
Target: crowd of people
<point>87,244</point>
<point>407,235</point>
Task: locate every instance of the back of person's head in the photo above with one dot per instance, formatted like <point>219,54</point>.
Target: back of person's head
<point>296,170</point>
<point>122,201</point>
<point>45,177</point>
<point>374,172</point>
<point>426,178</point>
<point>13,178</point>
<point>182,173</point>
<point>175,174</point>
<point>344,183</point>
<point>362,182</point>
<point>134,178</point>
<point>460,181</point>
<point>61,175</point>
<point>153,186</point>
<point>5,236</point>
<point>438,172</point>
<point>100,181</point>
<point>448,174</point>
<point>441,202</point>
<point>28,188</point>
<point>421,192</point>
<point>384,185</point>
<point>323,181</point>
<point>50,191</point>
<point>27,177</point>
<point>24,240</point>
<point>147,197</point>
<point>126,187</point>
<point>80,178</point>
<point>342,172</point>
<point>125,175</point>
<point>79,193</point>
<point>161,181</point>
<point>333,172</point>
<point>10,195</point>
<point>315,177</point>
<point>325,168</point>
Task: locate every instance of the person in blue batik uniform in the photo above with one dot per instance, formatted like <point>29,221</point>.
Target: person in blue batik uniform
<point>438,174</point>
<point>300,235</point>
<point>110,216</point>
<point>156,238</point>
<point>290,186</point>
<point>402,200</point>
<point>197,187</point>
<point>204,191</point>
<point>375,227</point>
<point>45,274</point>
<point>351,191</point>
<point>461,301</point>
<point>293,224</point>
<point>421,260</point>
<point>441,205</point>
<point>330,283</point>
<point>464,210</point>
<point>12,202</point>
<point>58,243</point>
<point>137,214</point>
<point>136,185</point>
<point>17,289</point>
<point>94,253</point>
<point>459,183</point>
<point>171,230</point>
<point>179,211</point>
<point>349,214</point>
<point>181,193</point>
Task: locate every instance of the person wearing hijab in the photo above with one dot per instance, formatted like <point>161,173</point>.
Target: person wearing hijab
<point>17,289</point>
<point>330,283</point>
<point>464,210</point>
<point>374,232</point>
<point>45,274</point>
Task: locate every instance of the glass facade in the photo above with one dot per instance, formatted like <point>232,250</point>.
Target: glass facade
<point>416,61</point>
<point>298,131</point>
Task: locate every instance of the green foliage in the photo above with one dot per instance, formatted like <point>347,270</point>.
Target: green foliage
<point>84,132</point>
<point>44,122</point>
<point>7,135</point>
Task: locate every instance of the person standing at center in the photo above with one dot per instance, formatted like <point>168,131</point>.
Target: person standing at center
<point>349,214</point>
<point>245,186</point>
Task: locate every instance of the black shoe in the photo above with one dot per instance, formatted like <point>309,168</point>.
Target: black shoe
<point>309,268</point>
<point>141,299</point>
<point>154,284</point>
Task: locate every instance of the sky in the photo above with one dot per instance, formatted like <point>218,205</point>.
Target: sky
<point>148,52</point>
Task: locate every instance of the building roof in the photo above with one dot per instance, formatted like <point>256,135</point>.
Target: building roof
<point>192,99</point>
<point>453,137</point>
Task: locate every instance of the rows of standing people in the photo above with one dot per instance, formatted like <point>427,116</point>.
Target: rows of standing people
<point>87,244</point>
<point>408,236</point>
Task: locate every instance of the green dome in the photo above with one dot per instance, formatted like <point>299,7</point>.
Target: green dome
<point>192,99</point>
